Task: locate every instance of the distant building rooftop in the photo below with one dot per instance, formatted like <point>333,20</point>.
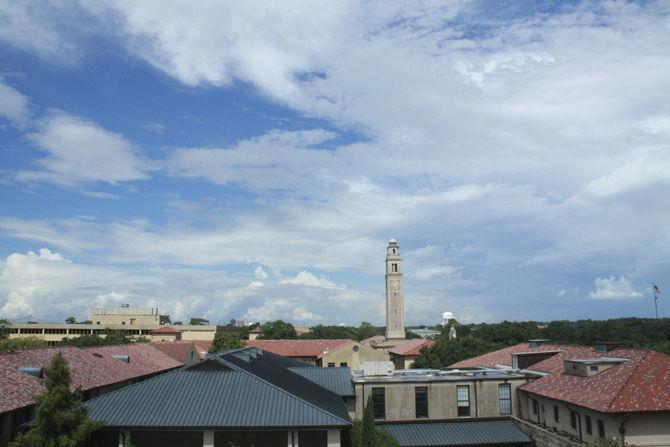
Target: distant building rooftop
<point>437,375</point>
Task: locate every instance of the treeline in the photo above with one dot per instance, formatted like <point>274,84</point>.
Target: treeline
<point>477,339</point>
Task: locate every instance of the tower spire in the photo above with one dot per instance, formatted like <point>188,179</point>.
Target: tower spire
<point>395,312</point>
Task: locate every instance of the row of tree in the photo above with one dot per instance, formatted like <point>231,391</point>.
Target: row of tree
<point>477,339</point>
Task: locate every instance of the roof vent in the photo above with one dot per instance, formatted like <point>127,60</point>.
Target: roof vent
<point>605,346</point>
<point>32,371</point>
<point>537,342</point>
<point>123,358</point>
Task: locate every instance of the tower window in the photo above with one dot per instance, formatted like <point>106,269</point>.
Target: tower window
<point>394,251</point>
<point>394,267</point>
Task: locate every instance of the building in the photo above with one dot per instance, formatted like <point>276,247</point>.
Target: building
<point>326,353</point>
<point>411,395</point>
<point>441,408</point>
<point>127,315</point>
<point>97,370</point>
<point>395,312</point>
<point>166,333</point>
<point>241,397</point>
<point>255,333</point>
<point>185,352</point>
<point>54,333</point>
<point>424,332</point>
<point>584,394</point>
<point>404,354</point>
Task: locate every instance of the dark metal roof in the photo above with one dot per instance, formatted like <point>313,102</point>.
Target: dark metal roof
<point>457,433</point>
<point>242,388</point>
<point>337,380</point>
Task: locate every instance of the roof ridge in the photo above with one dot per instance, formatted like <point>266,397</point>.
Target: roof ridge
<point>286,391</point>
<point>630,376</point>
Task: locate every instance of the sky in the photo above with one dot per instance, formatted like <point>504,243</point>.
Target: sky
<point>250,160</point>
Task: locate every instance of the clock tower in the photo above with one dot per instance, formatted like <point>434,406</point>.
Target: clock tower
<point>395,312</point>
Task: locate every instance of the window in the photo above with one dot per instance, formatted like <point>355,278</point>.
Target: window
<point>556,418</point>
<point>421,401</point>
<point>379,403</point>
<point>463,400</point>
<point>573,419</point>
<point>594,368</point>
<point>574,367</point>
<point>394,267</point>
<point>589,429</point>
<point>505,398</point>
<point>535,407</point>
<point>331,364</point>
<point>343,364</point>
<point>601,428</point>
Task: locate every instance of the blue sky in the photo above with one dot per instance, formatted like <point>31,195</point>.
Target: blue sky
<point>231,161</point>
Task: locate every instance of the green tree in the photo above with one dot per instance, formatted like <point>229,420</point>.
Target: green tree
<point>367,330</point>
<point>277,330</point>
<point>4,329</point>
<point>226,340</point>
<point>60,420</point>
<point>14,344</point>
<point>365,434</point>
<point>198,321</point>
<point>409,335</point>
<point>330,332</point>
<point>446,352</point>
<point>70,320</point>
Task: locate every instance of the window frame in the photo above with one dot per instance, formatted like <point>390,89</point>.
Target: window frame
<point>507,399</point>
<point>421,401</point>
<point>379,402</point>
<point>601,428</point>
<point>557,417</point>
<point>589,424</point>
<point>462,410</point>
<point>574,416</point>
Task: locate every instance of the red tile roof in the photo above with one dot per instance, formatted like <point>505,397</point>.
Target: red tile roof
<point>504,356</point>
<point>178,350</point>
<point>203,347</point>
<point>89,368</point>
<point>299,348</point>
<point>372,340</point>
<point>411,347</point>
<point>642,383</point>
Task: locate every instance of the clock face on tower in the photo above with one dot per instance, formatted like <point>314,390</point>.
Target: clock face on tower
<point>395,284</point>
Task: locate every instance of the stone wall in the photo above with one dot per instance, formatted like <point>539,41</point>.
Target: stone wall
<point>543,437</point>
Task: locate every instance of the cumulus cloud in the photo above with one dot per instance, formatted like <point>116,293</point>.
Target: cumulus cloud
<point>259,273</point>
<point>613,288</point>
<point>280,309</point>
<point>309,279</point>
<point>80,151</point>
<point>13,105</point>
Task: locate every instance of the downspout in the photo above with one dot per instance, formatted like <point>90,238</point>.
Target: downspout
<point>476,402</point>
<point>622,429</point>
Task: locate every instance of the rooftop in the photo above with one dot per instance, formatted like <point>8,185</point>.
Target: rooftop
<point>238,388</point>
<point>299,348</point>
<point>411,347</point>
<point>640,381</point>
<point>90,368</point>
<point>471,433</point>
<point>437,375</point>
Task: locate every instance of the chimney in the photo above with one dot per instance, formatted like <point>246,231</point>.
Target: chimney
<point>537,342</point>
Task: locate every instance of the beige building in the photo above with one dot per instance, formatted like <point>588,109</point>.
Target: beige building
<point>54,333</point>
<point>127,315</point>
<point>326,353</point>
<point>404,354</point>
<point>413,395</point>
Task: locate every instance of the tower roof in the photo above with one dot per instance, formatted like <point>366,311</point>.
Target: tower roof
<point>392,241</point>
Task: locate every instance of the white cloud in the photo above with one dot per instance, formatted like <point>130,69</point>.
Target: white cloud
<point>613,288</point>
<point>80,151</point>
<point>13,105</point>
<point>259,273</point>
<point>643,172</point>
<point>280,309</point>
<point>309,279</point>
<point>657,125</point>
<point>255,285</point>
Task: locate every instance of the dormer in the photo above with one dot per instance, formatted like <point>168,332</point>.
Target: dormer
<point>590,366</point>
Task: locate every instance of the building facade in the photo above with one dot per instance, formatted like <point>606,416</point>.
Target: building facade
<point>127,315</point>
<point>417,395</point>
